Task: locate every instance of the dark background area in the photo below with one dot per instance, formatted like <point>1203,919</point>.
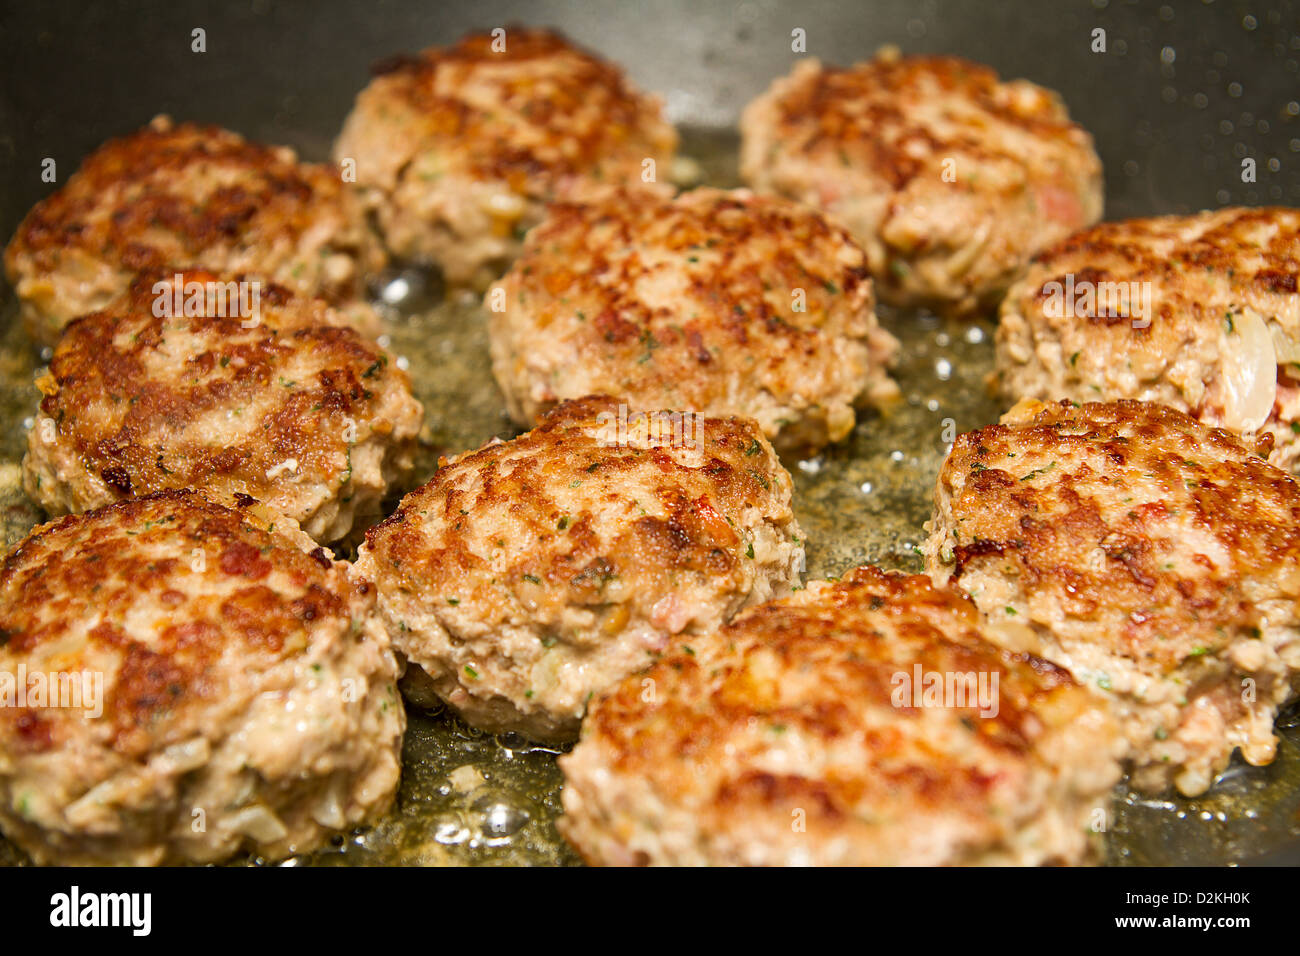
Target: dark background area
<point>1184,91</point>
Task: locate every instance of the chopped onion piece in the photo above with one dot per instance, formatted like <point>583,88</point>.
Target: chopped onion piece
<point>328,811</point>
<point>1287,348</point>
<point>1249,373</point>
<point>259,823</point>
<point>186,756</point>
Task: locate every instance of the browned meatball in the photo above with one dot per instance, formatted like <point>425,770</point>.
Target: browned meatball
<point>721,302</point>
<point>1155,557</point>
<point>286,405</point>
<point>188,195</point>
<point>1197,312</point>
<point>530,574</point>
<point>221,688</point>
<point>804,733</point>
<point>458,149</point>
<point>949,177</point>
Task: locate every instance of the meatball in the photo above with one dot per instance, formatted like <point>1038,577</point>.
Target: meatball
<point>287,405</point>
<point>1155,557</point>
<point>1197,312</point>
<point>530,574</point>
<point>186,195</point>
<point>722,302</point>
<point>949,178</point>
<point>184,681</point>
<point>457,150</point>
<point>802,734</point>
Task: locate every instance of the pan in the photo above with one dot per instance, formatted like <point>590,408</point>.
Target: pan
<point>1178,97</point>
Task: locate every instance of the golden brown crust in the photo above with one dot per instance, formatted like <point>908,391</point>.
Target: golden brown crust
<point>534,135</point>
<point>184,194</point>
<point>457,150</point>
<point>1156,557</point>
<point>794,707</point>
<point>918,623</point>
<point>539,570</point>
<point>185,679</point>
<point>137,402</point>
<point>267,593</point>
<point>692,535</point>
<point>1243,252</point>
<point>863,111</point>
<point>949,177</point>
<point>718,301</point>
<point>1202,271</point>
<point>1053,484</point>
<point>278,199</point>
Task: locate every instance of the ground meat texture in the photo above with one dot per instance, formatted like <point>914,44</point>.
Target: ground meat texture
<point>721,302</point>
<point>1216,334</point>
<point>457,150</point>
<point>789,738</point>
<point>248,699</point>
<point>1155,557</point>
<point>187,195</point>
<point>298,410</point>
<point>949,178</point>
<point>531,574</point>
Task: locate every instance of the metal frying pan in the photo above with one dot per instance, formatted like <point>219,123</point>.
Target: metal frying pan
<point>1183,93</point>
